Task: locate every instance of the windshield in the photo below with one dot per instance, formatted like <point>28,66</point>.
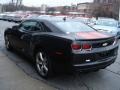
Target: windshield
<point>107,23</point>
<point>73,27</point>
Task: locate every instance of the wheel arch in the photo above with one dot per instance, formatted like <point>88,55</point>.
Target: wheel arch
<point>38,48</point>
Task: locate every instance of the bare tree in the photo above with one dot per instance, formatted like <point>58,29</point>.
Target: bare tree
<point>102,11</point>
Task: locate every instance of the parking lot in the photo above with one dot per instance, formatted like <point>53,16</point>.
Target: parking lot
<point>17,73</point>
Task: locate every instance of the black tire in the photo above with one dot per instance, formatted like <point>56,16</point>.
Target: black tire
<point>8,44</point>
<point>43,64</point>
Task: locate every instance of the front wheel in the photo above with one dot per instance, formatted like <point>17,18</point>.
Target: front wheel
<point>43,64</point>
<point>7,43</point>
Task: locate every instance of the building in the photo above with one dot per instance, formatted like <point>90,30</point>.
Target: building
<point>81,9</point>
<point>71,10</point>
<point>54,10</point>
<point>85,9</point>
<point>43,9</point>
<point>63,10</point>
<point>109,5</point>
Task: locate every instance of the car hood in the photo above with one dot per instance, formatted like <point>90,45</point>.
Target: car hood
<point>109,29</point>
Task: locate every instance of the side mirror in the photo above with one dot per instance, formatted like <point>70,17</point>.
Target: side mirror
<point>15,27</point>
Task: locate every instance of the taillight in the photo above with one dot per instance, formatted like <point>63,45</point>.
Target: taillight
<point>76,46</point>
<point>81,47</point>
<point>86,46</point>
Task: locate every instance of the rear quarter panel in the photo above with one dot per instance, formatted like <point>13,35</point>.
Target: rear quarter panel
<point>52,44</point>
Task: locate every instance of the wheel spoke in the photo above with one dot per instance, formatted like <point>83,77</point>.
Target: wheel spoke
<point>41,57</point>
<point>45,61</point>
<point>7,42</point>
<point>39,62</point>
<point>42,69</point>
<point>45,67</point>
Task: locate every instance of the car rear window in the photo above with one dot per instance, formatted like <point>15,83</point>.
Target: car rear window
<point>73,27</point>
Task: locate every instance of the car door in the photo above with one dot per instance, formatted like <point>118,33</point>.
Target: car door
<point>38,28</point>
<point>24,34</point>
<point>35,29</point>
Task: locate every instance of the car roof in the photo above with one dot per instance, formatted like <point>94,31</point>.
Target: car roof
<point>53,19</point>
<point>49,22</point>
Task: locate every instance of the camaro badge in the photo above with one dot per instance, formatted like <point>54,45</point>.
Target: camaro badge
<point>105,44</point>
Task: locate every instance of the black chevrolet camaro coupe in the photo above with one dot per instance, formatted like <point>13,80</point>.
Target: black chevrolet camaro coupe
<point>62,45</point>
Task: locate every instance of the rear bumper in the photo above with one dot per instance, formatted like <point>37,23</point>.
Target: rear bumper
<point>100,64</point>
<point>93,61</point>
<point>79,62</point>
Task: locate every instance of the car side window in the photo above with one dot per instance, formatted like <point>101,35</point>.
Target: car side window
<point>45,27</point>
<point>28,25</point>
<point>40,27</point>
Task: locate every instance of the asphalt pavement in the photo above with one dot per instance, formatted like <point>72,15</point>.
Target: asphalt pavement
<point>17,73</point>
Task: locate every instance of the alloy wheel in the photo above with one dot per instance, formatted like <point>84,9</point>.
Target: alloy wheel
<point>42,64</point>
<point>7,43</point>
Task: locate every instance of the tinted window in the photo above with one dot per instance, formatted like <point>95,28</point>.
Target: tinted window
<point>27,25</point>
<point>73,26</point>
<point>40,26</point>
<point>45,27</point>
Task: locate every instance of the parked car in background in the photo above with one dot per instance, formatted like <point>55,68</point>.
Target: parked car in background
<point>21,17</point>
<point>107,25</point>
<point>11,16</point>
<point>82,19</point>
<point>31,16</point>
<point>17,18</point>
<point>57,45</point>
<point>6,16</point>
<point>92,21</point>
<point>44,16</point>
<point>1,16</point>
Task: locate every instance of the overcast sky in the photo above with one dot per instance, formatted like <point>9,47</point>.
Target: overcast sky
<point>49,2</point>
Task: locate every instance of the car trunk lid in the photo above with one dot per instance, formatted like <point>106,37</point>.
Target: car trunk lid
<point>91,36</point>
<point>96,39</point>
